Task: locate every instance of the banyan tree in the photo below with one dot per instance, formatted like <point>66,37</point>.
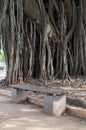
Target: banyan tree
<point>43,39</point>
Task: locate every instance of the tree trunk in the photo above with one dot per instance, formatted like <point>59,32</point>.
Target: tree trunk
<point>44,39</point>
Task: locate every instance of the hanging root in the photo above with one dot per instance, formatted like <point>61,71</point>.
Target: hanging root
<point>43,39</point>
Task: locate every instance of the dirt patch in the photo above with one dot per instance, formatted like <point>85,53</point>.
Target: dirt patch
<point>31,117</point>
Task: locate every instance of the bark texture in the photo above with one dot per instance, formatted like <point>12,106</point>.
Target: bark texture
<point>43,38</point>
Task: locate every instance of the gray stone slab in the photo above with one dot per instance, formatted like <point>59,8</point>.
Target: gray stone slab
<point>59,105</point>
<point>38,89</point>
<point>48,104</point>
<point>18,95</point>
<point>54,105</point>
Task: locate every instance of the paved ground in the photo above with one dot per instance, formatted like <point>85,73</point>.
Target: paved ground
<point>31,117</point>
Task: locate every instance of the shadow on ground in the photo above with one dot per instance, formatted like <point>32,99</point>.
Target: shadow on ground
<point>31,117</point>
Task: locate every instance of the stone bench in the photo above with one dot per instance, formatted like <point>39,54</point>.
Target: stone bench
<point>54,101</point>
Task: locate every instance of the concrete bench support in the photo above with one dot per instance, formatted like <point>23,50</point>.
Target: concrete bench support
<point>18,95</point>
<point>54,106</point>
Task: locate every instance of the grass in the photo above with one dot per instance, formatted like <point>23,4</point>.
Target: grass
<point>2,58</point>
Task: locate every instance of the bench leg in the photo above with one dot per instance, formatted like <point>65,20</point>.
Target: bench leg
<point>48,104</point>
<point>18,95</point>
<point>54,106</point>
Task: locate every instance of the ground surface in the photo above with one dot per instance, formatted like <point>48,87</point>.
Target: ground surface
<point>31,117</point>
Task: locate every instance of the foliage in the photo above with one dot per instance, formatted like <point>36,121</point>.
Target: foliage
<point>2,58</point>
